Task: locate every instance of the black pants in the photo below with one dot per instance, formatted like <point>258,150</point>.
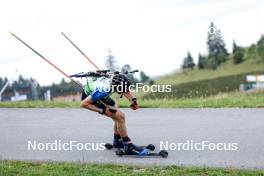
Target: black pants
<point>109,101</point>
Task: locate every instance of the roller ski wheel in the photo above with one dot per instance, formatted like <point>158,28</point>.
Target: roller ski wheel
<point>119,152</point>
<point>151,147</point>
<point>163,153</point>
<point>109,146</point>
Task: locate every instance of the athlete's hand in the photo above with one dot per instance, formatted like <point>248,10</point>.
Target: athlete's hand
<point>134,104</point>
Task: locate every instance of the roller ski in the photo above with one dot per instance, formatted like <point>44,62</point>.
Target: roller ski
<point>118,144</point>
<point>109,146</point>
<point>133,150</point>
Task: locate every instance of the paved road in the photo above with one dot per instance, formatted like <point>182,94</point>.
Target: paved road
<point>244,128</point>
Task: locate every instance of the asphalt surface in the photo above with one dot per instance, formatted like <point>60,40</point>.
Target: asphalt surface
<point>243,129</point>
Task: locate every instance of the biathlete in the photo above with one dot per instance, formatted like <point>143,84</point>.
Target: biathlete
<point>96,97</point>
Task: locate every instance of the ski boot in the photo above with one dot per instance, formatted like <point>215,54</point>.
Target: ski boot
<point>132,149</point>
<point>117,143</point>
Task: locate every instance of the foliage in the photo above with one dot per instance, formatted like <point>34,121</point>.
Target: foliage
<point>27,86</point>
<point>37,91</point>
<point>238,53</point>
<point>260,48</point>
<point>110,62</point>
<point>235,47</point>
<point>238,56</point>
<point>251,52</point>
<point>202,61</point>
<point>217,52</point>
<point>60,89</point>
<point>188,61</point>
<point>143,77</point>
<point>2,83</point>
<point>127,68</point>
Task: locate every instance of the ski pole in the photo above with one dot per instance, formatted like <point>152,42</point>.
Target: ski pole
<point>80,51</point>
<point>46,60</point>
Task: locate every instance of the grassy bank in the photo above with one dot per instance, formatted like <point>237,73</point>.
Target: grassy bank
<point>224,70</point>
<point>57,169</point>
<point>236,99</point>
<point>202,88</point>
<point>207,82</point>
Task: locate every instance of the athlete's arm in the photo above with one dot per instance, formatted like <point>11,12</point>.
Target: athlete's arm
<point>132,99</point>
<point>88,104</point>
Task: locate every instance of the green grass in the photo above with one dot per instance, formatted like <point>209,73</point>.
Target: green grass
<point>8,168</point>
<point>40,104</point>
<point>235,99</point>
<point>224,100</point>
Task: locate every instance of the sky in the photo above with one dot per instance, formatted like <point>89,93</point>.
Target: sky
<point>150,35</point>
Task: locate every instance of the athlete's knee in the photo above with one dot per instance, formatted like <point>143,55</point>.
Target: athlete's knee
<point>83,104</point>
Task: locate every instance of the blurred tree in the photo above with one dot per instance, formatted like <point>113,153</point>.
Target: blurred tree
<point>151,82</point>
<point>216,47</point>
<point>6,79</point>
<point>202,61</point>
<point>188,61</point>
<point>143,77</point>
<point>63,81</point>
<point>212,63</point>
<point>127,68</point>
<point>252,52</point>
<point>111,62</point>
<point>1,83</point>
<point>21,83</point>
<point>60,89</point>
<point>260,48</point>
<point>238,56</point>
<point>238,53</point>
<point>235,47</point>
<point>37,91</point>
